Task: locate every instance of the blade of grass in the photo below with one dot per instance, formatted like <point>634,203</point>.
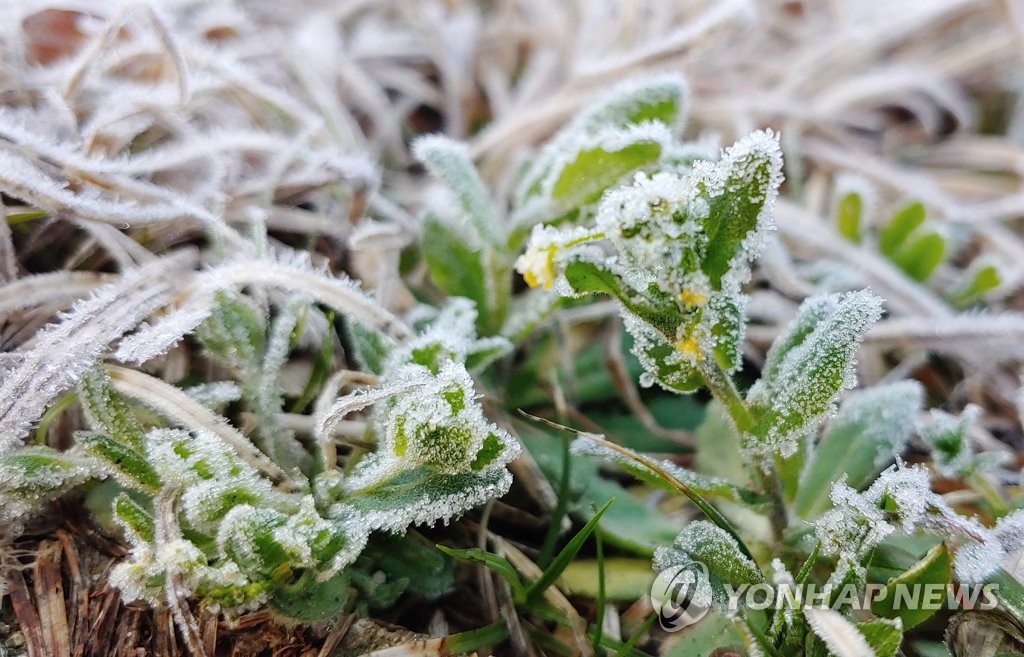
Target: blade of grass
<point>565,557</point>
<point>599,608</point>
<point>561,506</point>
<point>468,641</point>
<point>493,562</point>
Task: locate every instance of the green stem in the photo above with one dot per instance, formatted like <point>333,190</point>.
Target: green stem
<point>725,393</point>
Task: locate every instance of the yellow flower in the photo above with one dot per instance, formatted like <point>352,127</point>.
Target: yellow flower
<point>689,348</point>
<point>692,298</point>
<point>537,266</point>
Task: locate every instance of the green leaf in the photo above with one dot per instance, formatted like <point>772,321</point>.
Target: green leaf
<point>899,228</point>
<point>307,599</point>
<point>980,278</point>
<point>592,171</point>
<point>629,524</point>
<point>492,562</point>
<point>659,99</point>
<point>414,560</point>
<point>107,411</point>
<point>849,216</point>
<point>934,569</point>
<point>459,270</point>
<point>1008,592</point>
<point>37,472</point>
<point>130,465</point>
<point>675,479</point>
<point>370,347</point>
<point>134,517</point>
<point>744,183</point>
<point>718,452</point>
<point>449,161</point>
<point>235,332</point>
<point>564,557</point>
<point>884,636</point>
<point>586,277</point>
<point>920,255</point>
<point>871,429</point>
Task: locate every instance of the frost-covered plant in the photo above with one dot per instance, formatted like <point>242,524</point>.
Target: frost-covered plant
<point>674,250</point>
<point>240,524</point>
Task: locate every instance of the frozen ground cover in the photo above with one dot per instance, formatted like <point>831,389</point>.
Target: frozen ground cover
<point>321,320</point>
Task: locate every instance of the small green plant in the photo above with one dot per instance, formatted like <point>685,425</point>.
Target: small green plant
<point>674,250</point>
<point>241,524</point>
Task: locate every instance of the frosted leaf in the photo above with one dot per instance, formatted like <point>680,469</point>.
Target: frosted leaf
<point>706,543</point>
<point>662,362</point>
<point>422,497</point>
<point>107,411</point>
<point>853,526</point>
<point>125,460</point>
<point>587,164</point>
<point>205,503</point>
<point>1009,531</point>
<point>292,271</point>
<point>547,252</point>
<point>235,332</point>
<point>700,483</point>
<point>133,575</point>
<point>809,364</point>
<point>186,459</point>
<point>450,162</point>
<point>134,519</point>
<point>261,540</point>
<point>741,190</point>
<point>871,429</point>
<point>30,476</point>
<point>659,98</point>
<point>450,336</point>
<point>441,425</point>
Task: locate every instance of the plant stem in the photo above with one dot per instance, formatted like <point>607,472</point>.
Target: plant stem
<point>725,393</point>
